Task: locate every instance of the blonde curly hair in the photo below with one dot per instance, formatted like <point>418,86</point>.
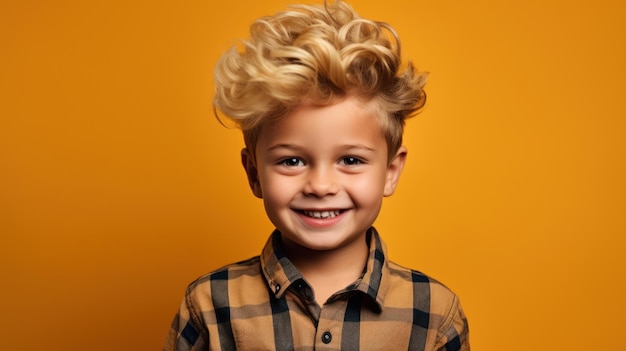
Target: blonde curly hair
<point>317,54</point>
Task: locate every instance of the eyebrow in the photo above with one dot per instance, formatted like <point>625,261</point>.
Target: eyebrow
<point>362,147</point>
<point>284,146</point>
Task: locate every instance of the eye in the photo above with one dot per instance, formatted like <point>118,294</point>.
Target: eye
<point>291,162</point>
<point>351,161</point>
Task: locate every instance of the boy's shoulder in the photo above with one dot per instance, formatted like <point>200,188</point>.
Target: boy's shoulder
<point>414,276</point>
<point>441,299</point>
<point>227,274</point>
<point>411,274</point>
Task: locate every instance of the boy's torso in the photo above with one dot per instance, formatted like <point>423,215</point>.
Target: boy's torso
<point>264,304</point>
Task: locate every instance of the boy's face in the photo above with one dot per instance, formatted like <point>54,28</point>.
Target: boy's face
<point>322,172</point>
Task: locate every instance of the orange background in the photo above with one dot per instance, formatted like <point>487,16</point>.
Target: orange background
<point>118,187</point>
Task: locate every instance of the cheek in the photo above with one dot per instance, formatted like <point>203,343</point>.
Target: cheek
<point>276,189</point>
<point>367,189</point>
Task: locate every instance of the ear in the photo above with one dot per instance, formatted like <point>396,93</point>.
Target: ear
<point>394,169</point>
<point>249,164</point>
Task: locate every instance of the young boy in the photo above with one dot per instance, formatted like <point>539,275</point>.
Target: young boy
<point>321,97</point>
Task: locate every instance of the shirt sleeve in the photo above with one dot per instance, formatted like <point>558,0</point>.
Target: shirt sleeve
<point>454,333</point>
<point>187,332</point>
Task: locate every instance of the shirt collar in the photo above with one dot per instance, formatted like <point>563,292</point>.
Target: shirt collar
<point>280,273</point>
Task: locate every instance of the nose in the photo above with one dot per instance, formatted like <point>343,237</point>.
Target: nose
<point>321,181</point>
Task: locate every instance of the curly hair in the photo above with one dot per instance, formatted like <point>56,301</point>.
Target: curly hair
<point>318,54</point>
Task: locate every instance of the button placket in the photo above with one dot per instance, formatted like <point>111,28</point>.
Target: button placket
<point>329,327</point>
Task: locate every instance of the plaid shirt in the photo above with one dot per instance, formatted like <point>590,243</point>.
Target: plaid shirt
<point>265,304</point>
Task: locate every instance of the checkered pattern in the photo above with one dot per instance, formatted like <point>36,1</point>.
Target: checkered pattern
<point>265,304</point>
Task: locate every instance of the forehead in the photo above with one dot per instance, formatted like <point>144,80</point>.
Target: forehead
<point>349,118</point>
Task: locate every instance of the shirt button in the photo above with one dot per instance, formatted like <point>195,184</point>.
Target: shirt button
<point>327,337</point>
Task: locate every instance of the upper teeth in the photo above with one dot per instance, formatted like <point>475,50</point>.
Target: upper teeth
<point>322,214</point>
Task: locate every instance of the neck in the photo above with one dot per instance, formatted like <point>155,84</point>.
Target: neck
<point>328,271</point>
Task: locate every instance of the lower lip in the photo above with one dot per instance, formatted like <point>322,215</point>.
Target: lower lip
<point>321,222</point>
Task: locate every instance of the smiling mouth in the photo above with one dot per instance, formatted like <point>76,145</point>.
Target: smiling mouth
<point>322,214</point>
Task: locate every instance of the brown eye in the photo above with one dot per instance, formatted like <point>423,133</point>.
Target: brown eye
<point>292,162</point>
<point>351,161</point>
